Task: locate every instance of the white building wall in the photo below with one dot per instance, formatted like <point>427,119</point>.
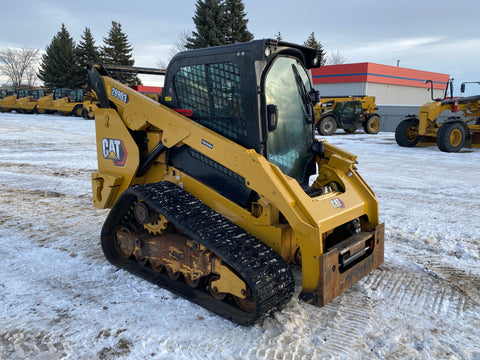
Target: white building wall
<point>386,94</point>
<point>343,89</point>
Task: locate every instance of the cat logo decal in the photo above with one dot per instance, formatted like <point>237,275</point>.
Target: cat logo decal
<point>114,149</point>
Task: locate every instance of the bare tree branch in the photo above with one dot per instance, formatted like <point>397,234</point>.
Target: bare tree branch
<point>31,75</point>
<point>179,46</point>
<point>336,58</point>
<point>180,43</point>
<point>17,63</point>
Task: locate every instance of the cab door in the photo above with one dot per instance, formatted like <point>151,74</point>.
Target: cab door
<point>352,115</point>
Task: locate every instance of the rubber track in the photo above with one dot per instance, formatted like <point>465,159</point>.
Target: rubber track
<point>266,272</point>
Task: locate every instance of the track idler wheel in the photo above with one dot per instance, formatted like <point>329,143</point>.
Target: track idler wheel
<point>125,248</point>
<point>143,214</point>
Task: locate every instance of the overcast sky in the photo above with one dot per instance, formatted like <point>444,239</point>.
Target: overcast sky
<point>433,35</point>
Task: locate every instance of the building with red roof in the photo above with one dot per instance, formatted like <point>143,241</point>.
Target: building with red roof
<point>391,85</point>
<point>398,91</point>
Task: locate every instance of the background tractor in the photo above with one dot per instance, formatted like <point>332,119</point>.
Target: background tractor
<point>451,135</point>
<point>67,102</point>
<point>347,113</point>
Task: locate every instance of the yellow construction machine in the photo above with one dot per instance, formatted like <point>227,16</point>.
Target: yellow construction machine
<point>450,135</point>
<point>3,94</point>
<point>68,102</point>
<point>89,105</point>
<point>22,100</point>
<point>64,101</point>
<point>45,104</point>
<point>9,102</point>
<point>347,113</point>
<point>28,100</point>
<point>220,185</point>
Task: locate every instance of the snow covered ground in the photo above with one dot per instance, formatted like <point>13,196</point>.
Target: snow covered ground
<point>60,299</point>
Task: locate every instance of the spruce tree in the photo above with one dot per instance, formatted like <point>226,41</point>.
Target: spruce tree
<point>118,51</point>
<point>236,22</point>
<point>57,67</point>
<point>210,24</point>
<point>86,52</point>
<point>313,43</point>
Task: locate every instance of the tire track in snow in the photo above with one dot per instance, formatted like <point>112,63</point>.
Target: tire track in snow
<point>340,325</point>
<point>458,279</point>
<point>67,222</point>
<point>420,291</point>
<point>19,344</point>
<point>338,330</point>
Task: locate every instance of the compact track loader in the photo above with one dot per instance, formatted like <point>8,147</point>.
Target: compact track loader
<point>451,135</point>
<point>23,100</point>
<point>64,101</point>
<point>28,100</point>
<point>9,102</point>
<point>68,102</point>
<point>218,186</point>
<point>3,94</point>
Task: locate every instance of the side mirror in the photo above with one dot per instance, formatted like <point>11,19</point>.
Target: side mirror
<point>462,88</point>
<point>272,116</point>
<point>316,96</point>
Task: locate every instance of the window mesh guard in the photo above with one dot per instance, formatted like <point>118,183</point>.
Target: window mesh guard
<point>213,92</point>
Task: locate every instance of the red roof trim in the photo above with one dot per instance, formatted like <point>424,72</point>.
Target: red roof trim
<point>377,73</point>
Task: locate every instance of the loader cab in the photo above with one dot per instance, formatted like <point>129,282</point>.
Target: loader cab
<point>3,94</point>
<point>37,94</point>
<point>349,114</point>
<point>75,95</point>
<point>60,93</point>
<point>23,93</point>
<point>257,94</point>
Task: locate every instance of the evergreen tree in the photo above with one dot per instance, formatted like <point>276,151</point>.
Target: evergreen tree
<point>210,24</point>
<point>118,51</point>
<point>58,63</point>
<point>236,23</point>
<point>86,52</point>
<point>313,43</point>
